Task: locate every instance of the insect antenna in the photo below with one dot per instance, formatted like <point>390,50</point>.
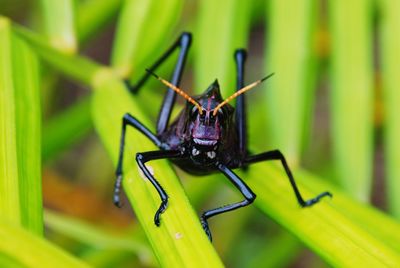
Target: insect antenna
<point>177,90</point>
<point>241,91</point>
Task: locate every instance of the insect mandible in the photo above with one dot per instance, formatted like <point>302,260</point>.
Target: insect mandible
<point>209,135</point>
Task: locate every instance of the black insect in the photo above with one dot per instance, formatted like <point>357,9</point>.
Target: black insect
<point>207,136</point>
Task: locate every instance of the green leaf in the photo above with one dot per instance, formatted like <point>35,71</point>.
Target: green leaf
<point>66,128</point>
<point>59,24</point>
<point>142,25</point>
<point>9,186</point>
<point>180,240</point>
<point>332,228</point>
<point>352,94</point>
<point>289,95</point>
<point>390,42</point>
<point>93,15</point>
<point>95,236</point>
<point>78,68</point>
<point>20,121</point>
<point>28,133</point>
<point>32,251</point>
<point>223,26</point>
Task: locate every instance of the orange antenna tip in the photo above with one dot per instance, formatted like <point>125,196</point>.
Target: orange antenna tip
<point>240,91</point>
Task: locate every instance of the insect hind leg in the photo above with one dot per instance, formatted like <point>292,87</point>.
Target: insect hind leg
<point>277,155</point>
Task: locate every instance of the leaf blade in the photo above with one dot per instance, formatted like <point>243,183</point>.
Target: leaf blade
<point>179,240</point>
<point>9,187</point>
<point>33,251</point>
<point>339,235</point>
<point>352,95</point>
<point>28,132</point>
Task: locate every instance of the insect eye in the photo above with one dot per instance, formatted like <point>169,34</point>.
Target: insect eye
<point>220,115</point>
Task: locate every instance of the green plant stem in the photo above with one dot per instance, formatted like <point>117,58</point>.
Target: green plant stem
<point>389,27</point>
<point>352,94</point>
<point>59,24</point>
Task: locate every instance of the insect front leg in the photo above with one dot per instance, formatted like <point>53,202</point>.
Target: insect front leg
<point>277,155</point>
<point>141,159</point>
<point>239,184</point>
<point>129,120</point>
<point>183,43</point>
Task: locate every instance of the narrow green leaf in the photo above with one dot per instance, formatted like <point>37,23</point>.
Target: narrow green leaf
<point>93,15</point>
<point>223,26</point>
<point>59,24</point>
<point>25,69</point>
<point>352,94</point>
<point>66,128</point>
<point>278,252</point>
<point>180,240</point>
<point>368,217</point>
<point>9,177</point>
<point>288,96</point>
<point>390,42</point>
<point>94,236</point>
<point>339,238</point>
<point>32,251</point>
<point>142,25</point>
<point>77,67</point>
<point>7,261</point>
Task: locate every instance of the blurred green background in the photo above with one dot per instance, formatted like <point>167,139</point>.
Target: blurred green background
<point>331,108</point>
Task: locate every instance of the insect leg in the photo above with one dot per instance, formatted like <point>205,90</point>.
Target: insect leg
<point>183,43</point>
<point>277,155</point>
<point>240,59</point>
<point>239,184</point>
<point>169,98</point>
<point>141,159</point>
<point>131,121</point>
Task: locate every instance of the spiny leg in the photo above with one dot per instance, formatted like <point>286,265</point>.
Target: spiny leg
<point>240,59</point>
<point>129,120</point>
<point>239,184</point>
<point>183,42</point>
<point>141,159</point>
<point>277,155</point>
